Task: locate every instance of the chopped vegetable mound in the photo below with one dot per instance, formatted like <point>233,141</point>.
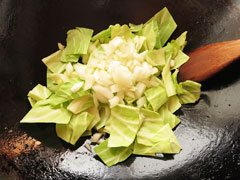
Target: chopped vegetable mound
<point>122,83</point>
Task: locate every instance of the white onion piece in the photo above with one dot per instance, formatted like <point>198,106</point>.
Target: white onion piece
<point>103,91</point>
<point>101,65</point>
<point>89,81</point>
<point>114,88</point>
<point>104,78</point>
<point>108,49</point>
<point>113,65</point>
<point>172,63</point>
<point>154,70</point>
<point>122,76</point>
<point>117,41</point>
<point>130,94</point>
<point>117,70</point>
<point>95,99</point>
<point>147,83</point>
<point>101,98</point>
<point>141,101</point>
<point>59,78</point>
<point>69,69</point>
<point>95,138</point>
<point>88,147</point>
<point>75,88</point>
<point>81,70</point>
<point>140,88</point>
<point>74,75</point>
<point>114,101</point>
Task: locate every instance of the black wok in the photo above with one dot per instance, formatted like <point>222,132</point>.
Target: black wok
<point>209,132</point>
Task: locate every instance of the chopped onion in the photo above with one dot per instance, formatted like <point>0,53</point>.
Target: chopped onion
<point>141,101</point>
<point>101,98</point>
<point>59,78</point>
<point>69,69</point>
<point>95,100</point>
<point>116,41</point>
<point>103,91</point>
<point>114,101</point>
<point>116,71</point>
<point>114,88</point>
<point>122,76</point>
<point>130,94</point>
<point>89,81</point>
<point>96,137</point>
<point>88,147</point>
<point>172,63</point>
<point>140,88</point>
<point>76,87</point>
<point>80,69</point>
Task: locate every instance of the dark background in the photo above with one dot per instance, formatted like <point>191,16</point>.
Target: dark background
<point>209,132</point>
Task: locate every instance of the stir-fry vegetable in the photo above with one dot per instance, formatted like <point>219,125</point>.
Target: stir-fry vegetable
<point>122,82</point>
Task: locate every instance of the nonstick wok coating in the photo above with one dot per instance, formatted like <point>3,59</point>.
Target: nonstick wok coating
<point>209,131</point>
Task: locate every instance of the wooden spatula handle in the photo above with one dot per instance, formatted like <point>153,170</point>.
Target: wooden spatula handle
<point>208,60</point>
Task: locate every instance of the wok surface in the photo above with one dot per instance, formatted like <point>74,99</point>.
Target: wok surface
<point>209,132</point>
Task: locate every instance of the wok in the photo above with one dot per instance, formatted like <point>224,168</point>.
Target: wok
<point>209,131</point>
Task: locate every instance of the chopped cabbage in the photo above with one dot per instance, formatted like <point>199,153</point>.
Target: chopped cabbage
<point>124,85</point>
<point>124,124</point>
<point>47,114</point>
<point>77,125</point>
<point>112,155</point>
<point>78,41</point>
<point>39,92</point>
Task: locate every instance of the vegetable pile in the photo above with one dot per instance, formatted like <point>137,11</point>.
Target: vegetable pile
<point>122,84</point>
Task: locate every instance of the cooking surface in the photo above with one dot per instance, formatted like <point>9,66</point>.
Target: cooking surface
<point>209,132</point>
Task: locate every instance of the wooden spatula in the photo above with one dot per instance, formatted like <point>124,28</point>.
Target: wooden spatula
<point>208,60</point>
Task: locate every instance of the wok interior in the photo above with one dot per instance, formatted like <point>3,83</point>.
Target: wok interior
<point>208,132</point>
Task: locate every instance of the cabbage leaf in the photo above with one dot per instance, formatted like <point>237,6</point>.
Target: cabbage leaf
<point>173,103</point>
<point>121,31</point>
<point>54,63</point>
<point>164,141</point>
<point>166,24</point>
<point>112,155</point>
<point>64,93</point>
<point>191,92</point>
<point>156,96</point>
<point>39,92</point>
<point>150,31</point>
<point>152,121</point>
<point>104,113</point>
<point>156,57</point>
<point>124,124</point>
<point>169,117</point>
<point>135,28</point>
<point>78,41</point>
<point>101,35</point>
<point>80,104</point>
<point>72,131</point>
<point>47,114</point>
<point>167,80</point>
